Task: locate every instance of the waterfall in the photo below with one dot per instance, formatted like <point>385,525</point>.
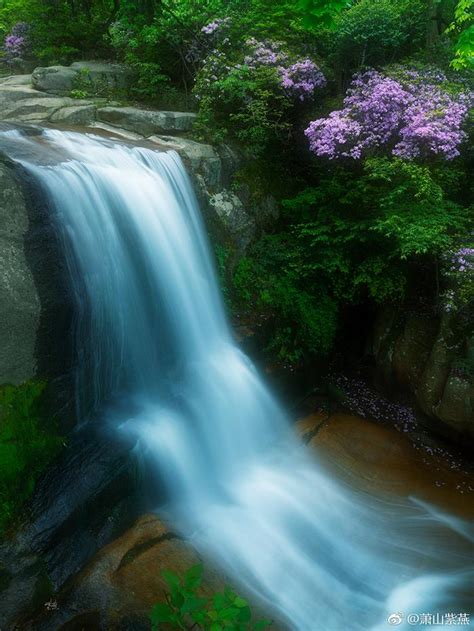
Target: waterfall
<point>155,354</point>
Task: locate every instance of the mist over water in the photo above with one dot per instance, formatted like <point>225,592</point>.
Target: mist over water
<point>151,331</point>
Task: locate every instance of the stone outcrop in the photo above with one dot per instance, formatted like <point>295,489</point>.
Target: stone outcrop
<point>94,76</point>
<point>20,305</point>
<point>147,122</point>
<point>88,496</point>
<point>123,581</point>
<point>433,359</point>
<point>35,304</point>
<point>233,216</point>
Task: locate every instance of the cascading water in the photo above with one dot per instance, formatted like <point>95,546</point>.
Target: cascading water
<point>152,333</point>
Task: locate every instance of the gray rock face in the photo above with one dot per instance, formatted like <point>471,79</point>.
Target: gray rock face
<point>147,122</point>
<point>54,79</point>
<point>202,159</point>
<point>19,300</point>
<point>94,75</point>
<point>423,354</point>
<point>74,115</point>
<point>234,219</point>
<point>35,302</point>
<point>20,103</point>
<point>18,79</point>
<point>100,74</point>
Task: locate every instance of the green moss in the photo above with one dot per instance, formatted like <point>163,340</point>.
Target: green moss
<point>28,441</point>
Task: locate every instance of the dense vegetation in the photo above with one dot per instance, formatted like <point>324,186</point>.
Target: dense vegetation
<point>28,441</point>
<point>353,114</point>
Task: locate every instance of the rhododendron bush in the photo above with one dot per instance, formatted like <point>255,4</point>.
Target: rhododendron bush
<point>411,117</point>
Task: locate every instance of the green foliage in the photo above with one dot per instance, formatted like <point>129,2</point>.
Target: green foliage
<point>317,13</point>
<point>27,443</point>
<point>60,30</point>
<point>184,608</point>
<point>359,235</point>
<point>245,105</point>
<point>463,26</point>
<point>373,33</point>
<point>269,285</point>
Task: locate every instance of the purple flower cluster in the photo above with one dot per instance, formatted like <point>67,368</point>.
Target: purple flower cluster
<point>462,260</point>
<point>458,273</point>
<point>302,78</point>
<point>213,27</point>
<point>265,53</point>
<point>413,117</point>
<point>16,43</point>
<point>299,79</point>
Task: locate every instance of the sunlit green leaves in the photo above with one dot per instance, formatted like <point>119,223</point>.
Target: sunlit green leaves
<point>184,608</point>
<point>463,24</point>
<point>321,13</point>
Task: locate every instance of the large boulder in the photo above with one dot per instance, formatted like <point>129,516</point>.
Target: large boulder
<point>147,122</point>
<point>378,460</point>
<point>20,306</point>
<point>234,219</point>
<point>203,161</point>
<point>54,79</point>
<point>425,354</point>
<point>93,77</point>
<point>35,300</point>
<point>21,103</point>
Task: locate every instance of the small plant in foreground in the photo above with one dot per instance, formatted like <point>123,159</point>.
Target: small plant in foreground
<point>185,609</point>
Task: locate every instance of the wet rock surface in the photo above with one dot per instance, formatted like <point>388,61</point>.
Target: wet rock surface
<point>87,497</point>
<point>123,581</point>
<point>429,356</point>
<point>381,461</point>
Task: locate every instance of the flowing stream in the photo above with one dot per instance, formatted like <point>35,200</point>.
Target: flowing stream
<point>157,356</point>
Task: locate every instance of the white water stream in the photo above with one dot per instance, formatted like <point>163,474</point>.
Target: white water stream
<point>152,334</point>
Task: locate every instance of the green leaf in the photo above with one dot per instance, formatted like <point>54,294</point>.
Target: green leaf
<point>193,605</point>
<point>193,577</point>
<point>171,579</point>
<point>162,612</point>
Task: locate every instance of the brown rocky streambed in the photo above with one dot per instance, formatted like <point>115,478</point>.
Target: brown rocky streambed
<point>119,585</point>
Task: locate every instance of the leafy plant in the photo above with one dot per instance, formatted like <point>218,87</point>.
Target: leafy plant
<point>28,441</point>
<point>463,26</point>
<point>185,609</point>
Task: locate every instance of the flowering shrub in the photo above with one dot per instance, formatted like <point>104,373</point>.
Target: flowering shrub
<point>300,79</point>
<point>248,93</point>
<point>214,27</point>
<point>412,116</point>
<point>458,273</point>
<point>16,43</point>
